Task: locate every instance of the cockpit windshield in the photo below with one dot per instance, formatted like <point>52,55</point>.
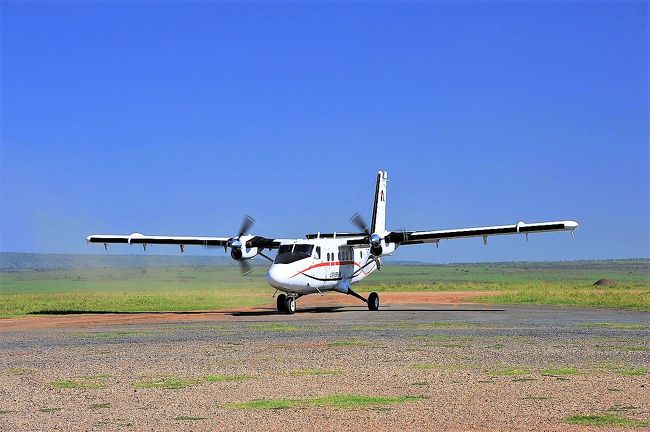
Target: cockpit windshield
<point>293,252</point>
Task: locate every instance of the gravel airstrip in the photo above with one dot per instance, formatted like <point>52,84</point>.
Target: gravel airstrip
<point>407,366</point>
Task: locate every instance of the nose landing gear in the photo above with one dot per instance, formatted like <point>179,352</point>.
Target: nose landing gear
<point>290,305</point>
<point>286,304</point>
<point>280,302</point>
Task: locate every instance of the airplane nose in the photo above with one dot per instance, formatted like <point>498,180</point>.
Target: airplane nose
<point>275,276</point>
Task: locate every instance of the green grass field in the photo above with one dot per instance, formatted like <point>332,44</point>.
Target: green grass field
<point>208,288</point>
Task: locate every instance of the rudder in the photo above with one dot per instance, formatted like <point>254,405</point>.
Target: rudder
<point>379,208</point>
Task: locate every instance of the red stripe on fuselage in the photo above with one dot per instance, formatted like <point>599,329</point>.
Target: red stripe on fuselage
<point>327,263</point>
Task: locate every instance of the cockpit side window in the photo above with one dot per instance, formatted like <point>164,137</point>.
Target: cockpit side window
<point>317,254</point>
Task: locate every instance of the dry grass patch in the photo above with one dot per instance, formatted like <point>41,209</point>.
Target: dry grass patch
<point>508,371</point>
<point>614,326</point>
<point>170,383</point>
<point>560,371</point>
<point>605,420</point>
<point>84,382</point>
<point>225,378</point>
<point>112,334</point>
<point>174,382</point>
<point>347,343</point>
<point>21,371</point>
<point>278,327</point>
<point>337,401</point>
<point>314,372</point>
<point>50,409</point>
<point>450,367</point>
<point>625,370</point>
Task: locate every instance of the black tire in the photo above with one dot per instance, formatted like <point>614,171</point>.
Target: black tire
<point>373,301</point>
<point>290,305</point>
<point>282,298</point>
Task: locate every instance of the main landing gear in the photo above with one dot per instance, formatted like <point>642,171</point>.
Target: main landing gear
<point>286,304</point>
<point>372,301</point>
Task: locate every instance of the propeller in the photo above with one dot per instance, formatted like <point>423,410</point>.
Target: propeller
<point>360,223</point>
<point>235,245</point>
<point>246,225</point>
<point>373,238</point>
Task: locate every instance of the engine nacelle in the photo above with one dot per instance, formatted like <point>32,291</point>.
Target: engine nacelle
<point>382,248</point>
<point>243,253</point>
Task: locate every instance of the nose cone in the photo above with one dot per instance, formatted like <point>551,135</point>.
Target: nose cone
<point>277,276</point>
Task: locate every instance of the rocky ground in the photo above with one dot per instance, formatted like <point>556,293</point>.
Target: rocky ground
<point>448,367</point>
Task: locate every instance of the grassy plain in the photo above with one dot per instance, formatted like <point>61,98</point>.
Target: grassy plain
<point>189,288</point>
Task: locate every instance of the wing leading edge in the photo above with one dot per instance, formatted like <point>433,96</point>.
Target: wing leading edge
<point>417,237</point>
<point>138,238</point>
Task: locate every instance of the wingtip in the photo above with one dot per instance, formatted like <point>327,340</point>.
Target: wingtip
<point>571,225</point>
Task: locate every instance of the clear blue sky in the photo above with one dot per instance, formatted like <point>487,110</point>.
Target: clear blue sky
<point>178,118</point>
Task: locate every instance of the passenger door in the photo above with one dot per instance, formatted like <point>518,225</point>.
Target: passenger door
<point>319,270</point>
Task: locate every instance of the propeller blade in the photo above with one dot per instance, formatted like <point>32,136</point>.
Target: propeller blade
<point>360,223</point>
<point>245,267</point>
<point>246,225</point>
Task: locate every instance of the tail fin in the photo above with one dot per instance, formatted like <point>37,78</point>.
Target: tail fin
<point>379,208</point>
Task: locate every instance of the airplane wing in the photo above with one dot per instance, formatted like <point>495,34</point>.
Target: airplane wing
<point>138,238</point>
<point>418,237</point>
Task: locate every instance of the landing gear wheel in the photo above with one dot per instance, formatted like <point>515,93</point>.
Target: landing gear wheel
<point>282,298</point>
<point>373,301</point>
<point>290,305</point>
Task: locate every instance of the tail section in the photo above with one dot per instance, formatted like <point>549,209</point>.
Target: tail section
<point>379,208</point>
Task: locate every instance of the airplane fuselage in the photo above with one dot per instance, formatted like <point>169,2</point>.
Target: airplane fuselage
<point>323,264</point>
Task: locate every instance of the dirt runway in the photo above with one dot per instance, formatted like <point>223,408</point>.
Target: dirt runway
<point>332,366</point>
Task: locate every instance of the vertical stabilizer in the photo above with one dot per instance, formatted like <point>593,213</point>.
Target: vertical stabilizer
<point>379,208</point>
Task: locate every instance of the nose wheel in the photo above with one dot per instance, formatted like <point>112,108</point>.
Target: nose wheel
<point>290,305</point>
<point>280,302</point>
<point>286,304</point>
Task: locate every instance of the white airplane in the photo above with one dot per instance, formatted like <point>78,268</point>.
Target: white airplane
<point>329,262</point>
